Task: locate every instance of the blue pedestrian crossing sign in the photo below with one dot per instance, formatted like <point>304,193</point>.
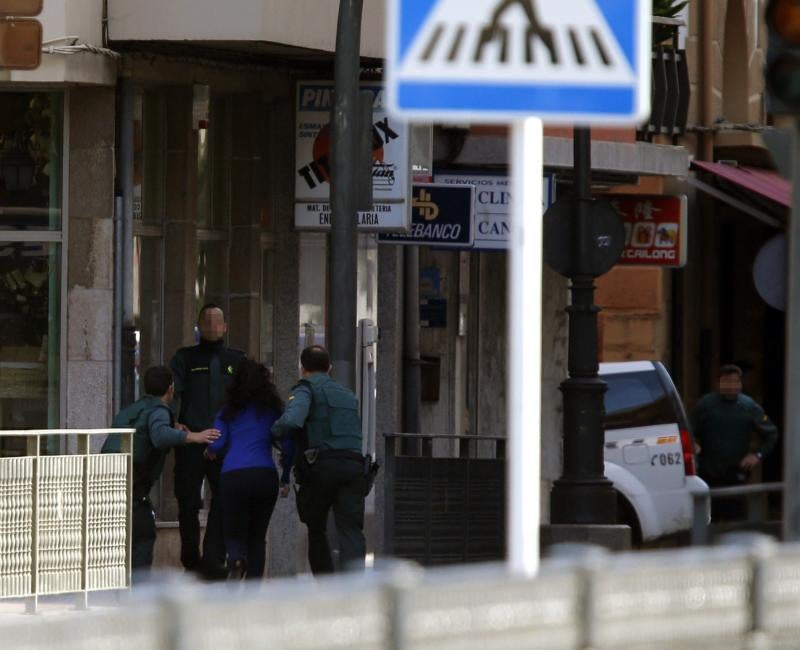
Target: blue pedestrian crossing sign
<point>564,61</point>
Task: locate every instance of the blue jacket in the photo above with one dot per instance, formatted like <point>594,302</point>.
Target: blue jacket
<point>246,441</point>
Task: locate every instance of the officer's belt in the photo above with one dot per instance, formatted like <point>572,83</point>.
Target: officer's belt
<point>340,454</point>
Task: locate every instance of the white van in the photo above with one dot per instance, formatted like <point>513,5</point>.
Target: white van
<point>649,450</point>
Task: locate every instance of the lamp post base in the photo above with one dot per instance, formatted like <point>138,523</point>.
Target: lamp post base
<point>583,501</point>
<point>613,538</point>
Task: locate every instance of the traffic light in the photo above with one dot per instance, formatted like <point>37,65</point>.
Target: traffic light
<point>783,56</point>
<point>20,36</point>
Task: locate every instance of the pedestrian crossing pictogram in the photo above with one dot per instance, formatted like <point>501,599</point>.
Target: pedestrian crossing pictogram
<point>565,53</point>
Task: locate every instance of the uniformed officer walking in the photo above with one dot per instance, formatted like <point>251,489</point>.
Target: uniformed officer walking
<point>330,468</point>
<point>734,435</point>
<point>202,373</point>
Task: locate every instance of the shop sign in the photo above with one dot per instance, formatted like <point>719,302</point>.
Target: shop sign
<point>493,205</point>
<point>390,171</point>
<point>441,215</point>
<point>655,229</point>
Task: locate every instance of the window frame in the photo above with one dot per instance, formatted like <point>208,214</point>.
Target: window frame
<point>60,236</point>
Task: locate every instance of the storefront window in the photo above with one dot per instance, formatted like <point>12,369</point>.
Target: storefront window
<point>29,335</point>
<point>31,127</point>
<point>30,161</point>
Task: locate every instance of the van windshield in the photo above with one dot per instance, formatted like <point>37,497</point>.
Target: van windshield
<point>636,399</point>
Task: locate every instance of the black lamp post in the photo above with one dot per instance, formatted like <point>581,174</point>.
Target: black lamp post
<point>584,238</point>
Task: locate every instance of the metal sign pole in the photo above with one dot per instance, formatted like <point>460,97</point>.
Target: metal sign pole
<point>343,262</point>
<point>525,347</point>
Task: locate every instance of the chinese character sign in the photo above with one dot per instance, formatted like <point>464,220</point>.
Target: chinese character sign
<point>655,229</point>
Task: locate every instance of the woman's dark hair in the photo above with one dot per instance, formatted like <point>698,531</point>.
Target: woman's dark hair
<point>251,386</point>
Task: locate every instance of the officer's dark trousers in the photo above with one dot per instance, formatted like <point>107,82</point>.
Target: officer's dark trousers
<point>248,499</point>
<point>729,508</point>
<point>339,484</point>
<point>191,467</point>
<point>143,524</point>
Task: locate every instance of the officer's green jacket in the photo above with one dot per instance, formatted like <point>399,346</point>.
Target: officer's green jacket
<point>727,430</point>
<point>324,411</point>
<point>154,435</point>
<point>202,373</point>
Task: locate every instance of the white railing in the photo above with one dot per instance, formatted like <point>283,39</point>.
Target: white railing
<point>65,520</point>
<point>732,597</point>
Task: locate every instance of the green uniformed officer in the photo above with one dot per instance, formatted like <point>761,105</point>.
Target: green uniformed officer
<point>733,433</point>
<point>202,374</point>
<point>330,468</point>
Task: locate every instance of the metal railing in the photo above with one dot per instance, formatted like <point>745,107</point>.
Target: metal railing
<point>65,520</point>
<point>755,511</point>
<point>671,89</point>
<point>731,597</point>
<point>444,497</point>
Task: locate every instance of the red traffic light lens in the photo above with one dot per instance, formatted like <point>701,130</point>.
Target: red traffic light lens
<point>784,17</point>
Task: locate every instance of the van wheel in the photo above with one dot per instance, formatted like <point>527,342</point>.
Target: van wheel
<point>626,515</point>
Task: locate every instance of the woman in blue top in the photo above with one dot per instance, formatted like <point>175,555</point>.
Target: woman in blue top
<point>249,483</point>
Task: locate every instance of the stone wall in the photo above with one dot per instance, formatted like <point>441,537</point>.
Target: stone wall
<point>90,256</point>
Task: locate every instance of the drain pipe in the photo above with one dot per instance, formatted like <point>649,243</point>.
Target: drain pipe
<point>411,351</point>
<point>117,352</point>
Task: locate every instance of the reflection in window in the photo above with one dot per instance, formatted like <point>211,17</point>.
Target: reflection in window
<point>368,277</point>
<point>313,287</point>
<point>267,308</point>
<point>636,399</point>
<point>30,161</point>
<point>220,162</point>
<point>203,179</point>
<point>147,308</point>
<point>212,264</point>
<point>207,158</point>
<point>29,335</point>
<point>149,156</point>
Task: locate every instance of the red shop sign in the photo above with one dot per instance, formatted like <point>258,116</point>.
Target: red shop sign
<point>655,229</point>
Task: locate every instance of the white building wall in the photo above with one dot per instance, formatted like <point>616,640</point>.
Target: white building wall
<point>300,23</point>
<point>61,18</point>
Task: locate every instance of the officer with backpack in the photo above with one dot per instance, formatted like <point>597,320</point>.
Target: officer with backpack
<point>155,433</point>
<point>330,468</point>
